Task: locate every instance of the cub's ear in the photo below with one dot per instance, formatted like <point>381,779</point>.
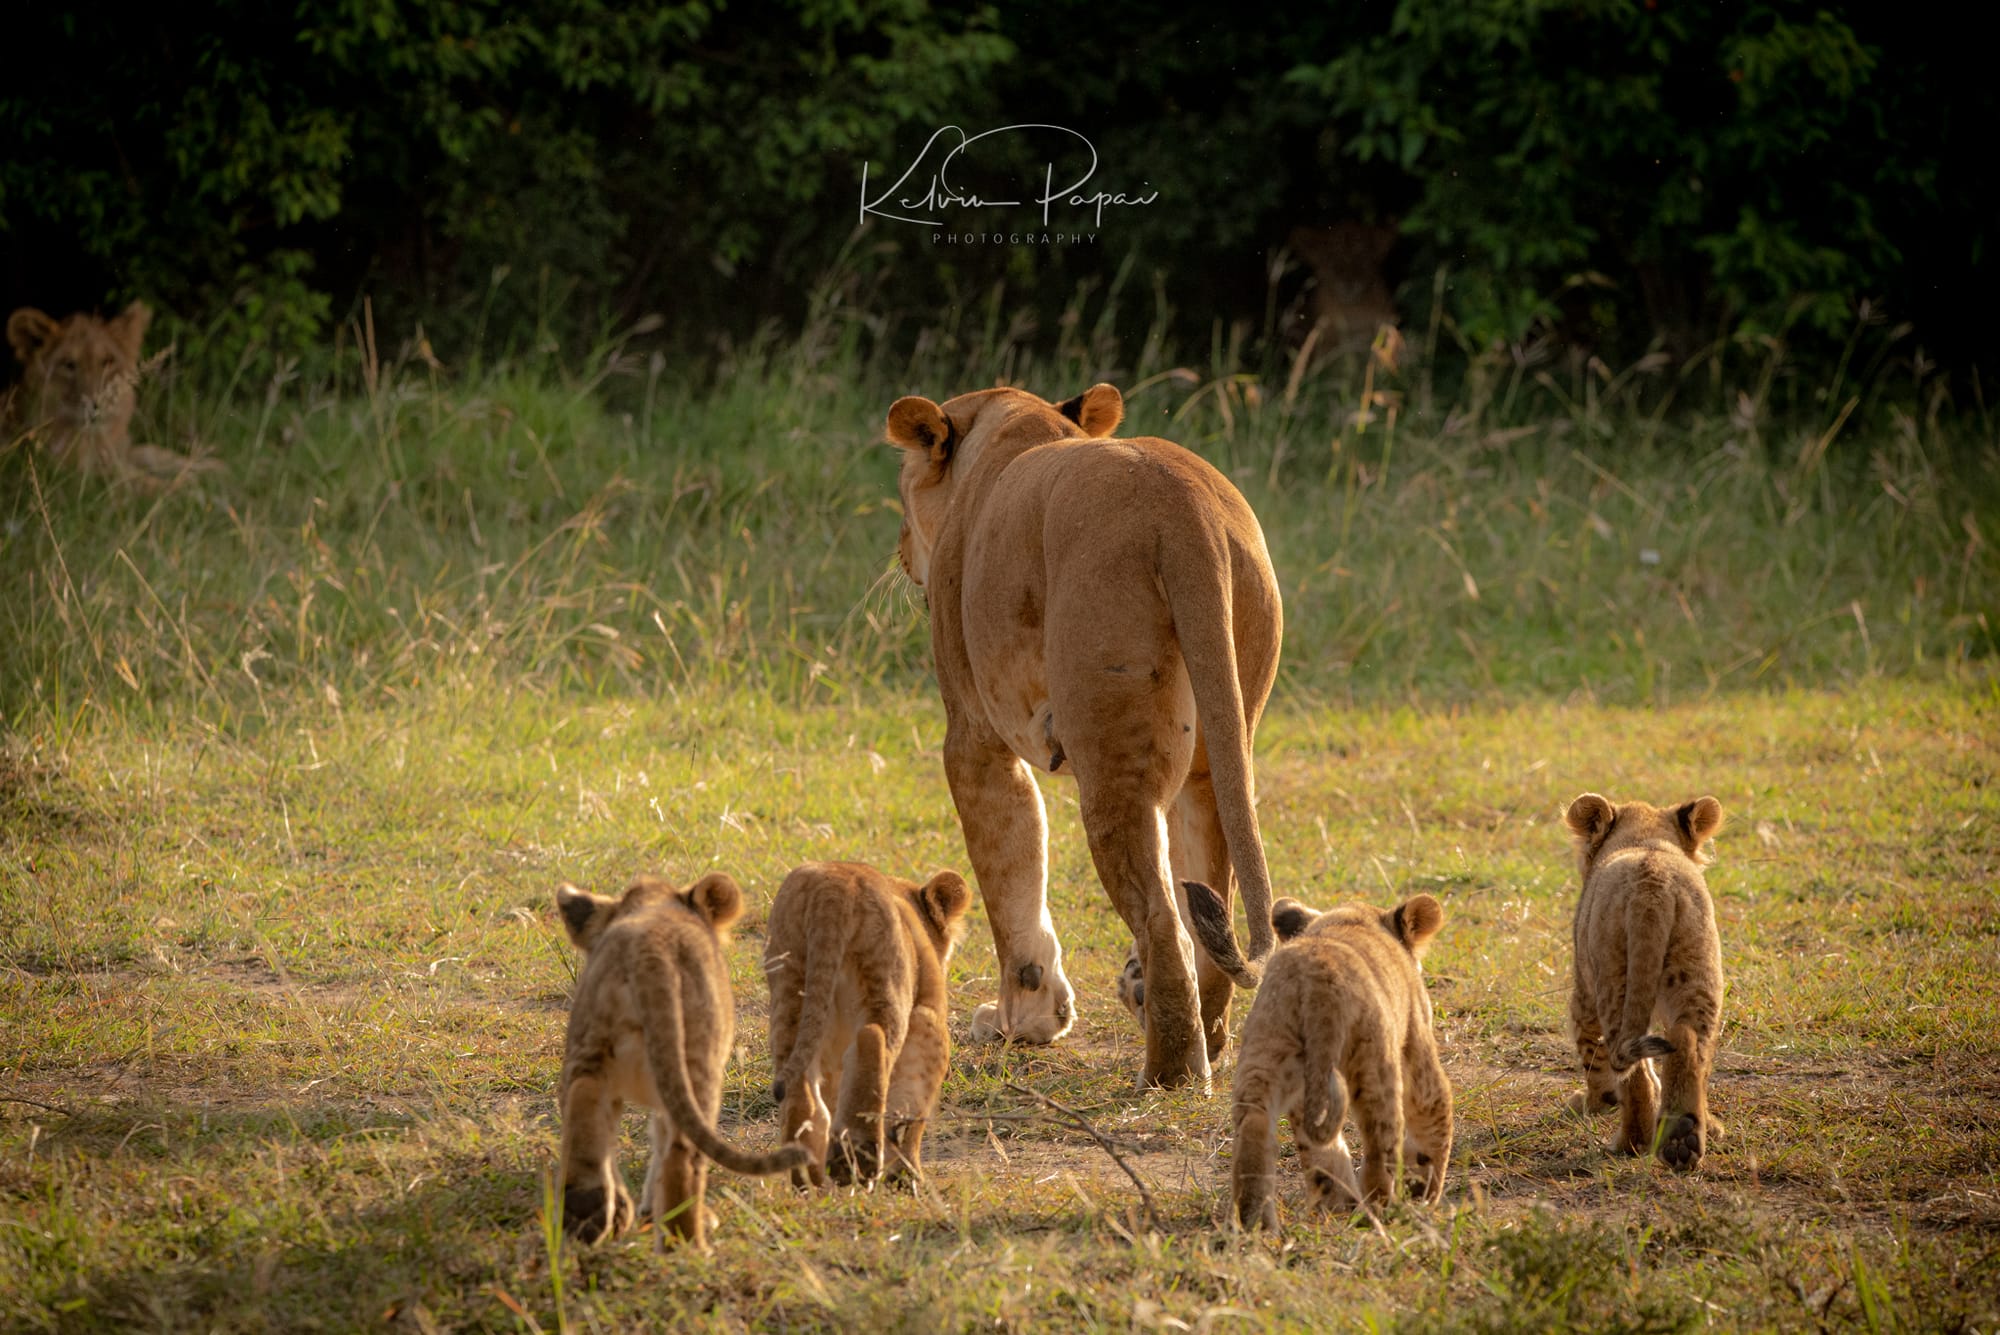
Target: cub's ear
<point>945,898</point>
<point>717,898</point>
<point>1590,816</point>
<point>129,329</point>
<point>1698,820</point>
<point>1416,921</point>
<point>1289,918</point>
<point>583,914</point>
<point>27,330</point>
<point>1098,410</point>
<point>916,423</point>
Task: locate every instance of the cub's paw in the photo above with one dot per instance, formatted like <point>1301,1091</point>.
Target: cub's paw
<point>590,1216</point>
<point>1682,1143</point>
<point>986,1024</point>
<point>1582,1104</point>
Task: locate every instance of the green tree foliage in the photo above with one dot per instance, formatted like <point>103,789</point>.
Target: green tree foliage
<point>1763,164</point>
<point>240,155</point>
<point>519,175</point>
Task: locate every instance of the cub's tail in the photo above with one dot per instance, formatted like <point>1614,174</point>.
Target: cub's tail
<point>825,949</point>
<point>1635,1050</point>
<point>666,1048</point>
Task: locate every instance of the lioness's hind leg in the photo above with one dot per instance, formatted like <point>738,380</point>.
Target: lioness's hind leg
<point>1006,840</point>
<point>1128,844</point>
<point>1198,852</point>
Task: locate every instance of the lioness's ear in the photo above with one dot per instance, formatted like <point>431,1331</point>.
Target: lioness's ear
<point>27,330</point>
<point>945,898</point>
<point>129,329</point>
<point>1590,816</point>
<point>1098,410</point>
<point>1416,921</point>
<point>916,423</point>
<point>1698,820</point>
<point>1289,918</point>
<point>583,914</point>
<point>717,898</point>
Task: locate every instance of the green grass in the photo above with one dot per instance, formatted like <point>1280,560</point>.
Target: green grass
<point>294,758</point>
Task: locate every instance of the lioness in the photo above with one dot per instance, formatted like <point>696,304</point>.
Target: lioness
<point>1104,609</point>
<point>652,1023</point>
<point>1647,953</point>
<point>77,392</point>
<point>1342,1017</point>
<point>856,963</point>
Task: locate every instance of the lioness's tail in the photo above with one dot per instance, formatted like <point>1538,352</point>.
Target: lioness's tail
<point>1208,916</point>
<point>1199,597</point>
<point>666,1038</point>
<point>821,981</point>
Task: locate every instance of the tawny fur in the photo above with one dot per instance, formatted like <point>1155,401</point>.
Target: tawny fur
<point>1104,609</point>
<point>1349,297</point>
<point>856,963</point>
<point>1341,1025</point>
<point>1648,971</point>
<point>652,1023</point>
<point>79,384</point>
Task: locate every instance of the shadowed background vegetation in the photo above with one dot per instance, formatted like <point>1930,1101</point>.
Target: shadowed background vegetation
<point>506,176</point>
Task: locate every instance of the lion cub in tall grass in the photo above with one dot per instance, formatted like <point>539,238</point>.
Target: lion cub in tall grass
<point>1342,1018</point>
<point>652,1024</point>
<point>1648,979</point>
<point>856,964</point>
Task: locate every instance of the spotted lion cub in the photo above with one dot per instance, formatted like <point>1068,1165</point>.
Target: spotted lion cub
<point>856,964</point>
<point>1647,953</point>
<point>1342,1018</point>
<point>652,1023</point>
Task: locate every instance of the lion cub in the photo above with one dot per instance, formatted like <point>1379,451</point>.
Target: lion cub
<point>856,964</point>
<point>1342,1017</point>
<point>1647,952</point>
<point>652,1023</point>
<point>79,387</point>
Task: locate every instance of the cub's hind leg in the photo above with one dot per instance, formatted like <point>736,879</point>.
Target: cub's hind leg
<point>1639,1105</point>
<point>1600,1086</point>
<point>914,1084</point>
<point>1427,1118</point>
<point>1375,1089</point>
<point>1685,1119</point>
<point>856,1153</point>
<point>1262,1090</point>
<point>1331,1186</point>
<point>596,1205</point>
<point>681,1177</point>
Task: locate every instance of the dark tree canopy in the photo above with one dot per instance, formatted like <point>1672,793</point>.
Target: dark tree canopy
<point>1625,172</point>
